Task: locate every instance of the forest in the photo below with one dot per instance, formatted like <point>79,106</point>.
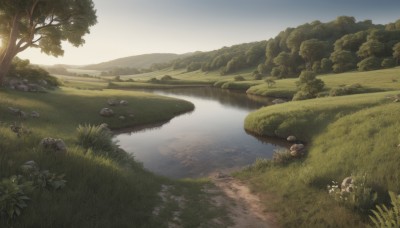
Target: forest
<point>341,45</point>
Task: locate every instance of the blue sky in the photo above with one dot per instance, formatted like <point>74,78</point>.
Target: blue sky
<point>133,27</point>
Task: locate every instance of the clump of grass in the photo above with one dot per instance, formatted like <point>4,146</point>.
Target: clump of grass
<point>282,157</point>
<point>97,138</point>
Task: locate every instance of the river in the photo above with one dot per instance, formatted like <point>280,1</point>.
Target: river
<point>207,140</point>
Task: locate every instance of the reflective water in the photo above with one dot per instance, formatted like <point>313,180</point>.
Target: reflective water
<point>209,139</point>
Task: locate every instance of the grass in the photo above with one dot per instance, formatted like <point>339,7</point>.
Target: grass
<point>344,135</point>
<point>371,81</point>
<point>106,192</point>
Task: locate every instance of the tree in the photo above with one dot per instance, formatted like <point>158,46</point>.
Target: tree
<point>343,61</point>
<point>42,24</point>
<point>396,52</point>
<point>312,50</point>
<point>371,48</point>
<point>370,63</point>
<point>308,86</point>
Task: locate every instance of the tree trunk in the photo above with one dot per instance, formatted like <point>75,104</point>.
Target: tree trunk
<point>10,50</point>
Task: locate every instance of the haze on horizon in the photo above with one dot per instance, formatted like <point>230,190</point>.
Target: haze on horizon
<point>134,27</point>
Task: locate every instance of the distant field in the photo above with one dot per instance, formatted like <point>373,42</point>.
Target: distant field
<point>82,71</point>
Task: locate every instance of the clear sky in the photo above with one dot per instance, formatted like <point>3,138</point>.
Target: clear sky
<point>134,27</point>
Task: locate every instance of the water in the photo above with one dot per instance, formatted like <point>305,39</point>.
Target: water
<point>209,139</point>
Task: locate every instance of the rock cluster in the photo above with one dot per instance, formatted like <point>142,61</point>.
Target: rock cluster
<point>22,114</point>
<point>25,86</point>
<point>57,145</point>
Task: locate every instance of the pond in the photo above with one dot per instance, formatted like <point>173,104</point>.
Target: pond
<point>209,139</point>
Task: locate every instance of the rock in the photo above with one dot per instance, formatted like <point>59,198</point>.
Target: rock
<point>291,138</point>
<point>106,112</point>
<point>297,150</point>
<point>347,184</point>
<point>30,166</point>
<point>132,115</point>
<point>13,110</point>
<point>22,87</point>
<point>104,126</point>
<point>56,145</point>
<point>112,102</point>
<point>396,100</point>
<point>123,102</point>
<point>35,114</point>
<point>278,101</point>
<point>122,117</point>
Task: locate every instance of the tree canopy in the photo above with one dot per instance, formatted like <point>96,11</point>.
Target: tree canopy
<point>42,24</point>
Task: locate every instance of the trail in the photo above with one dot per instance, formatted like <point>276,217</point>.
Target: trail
<point>244,208</point>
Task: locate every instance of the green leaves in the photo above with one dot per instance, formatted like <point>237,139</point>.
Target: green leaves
<point>387,217</point>
<point>13,196</point>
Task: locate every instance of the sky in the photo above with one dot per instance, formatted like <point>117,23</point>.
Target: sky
<point>135,27</point>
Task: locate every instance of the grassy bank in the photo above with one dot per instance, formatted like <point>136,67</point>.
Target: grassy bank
<point>347,135</point>
<point>371,81</point>
<point>100,191</point>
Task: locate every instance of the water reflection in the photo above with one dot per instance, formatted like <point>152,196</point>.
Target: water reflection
<point>208,139</point>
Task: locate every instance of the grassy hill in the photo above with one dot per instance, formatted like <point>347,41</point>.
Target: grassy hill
<point>138,61</point>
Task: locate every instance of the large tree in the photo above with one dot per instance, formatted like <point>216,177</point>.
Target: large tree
<point>42,24</point>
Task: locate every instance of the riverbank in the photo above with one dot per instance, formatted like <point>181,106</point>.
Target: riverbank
<point>108,192</point>
<point>353,135</point>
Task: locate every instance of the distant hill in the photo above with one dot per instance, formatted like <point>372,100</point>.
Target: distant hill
<point>138,61</point>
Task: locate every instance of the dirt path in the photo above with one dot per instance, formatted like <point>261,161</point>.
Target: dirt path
<point>244,208</point>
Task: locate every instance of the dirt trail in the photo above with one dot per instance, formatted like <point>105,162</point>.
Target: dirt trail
<point>244,207</point>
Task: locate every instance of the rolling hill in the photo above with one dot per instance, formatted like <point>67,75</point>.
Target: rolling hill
<point>138,61</point>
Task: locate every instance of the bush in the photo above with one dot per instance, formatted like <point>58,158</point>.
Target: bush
<point>97,138</point>
<point>346,90</point>
<point>166,78</point>
<point>13,196</point>
<point>385,217</point>
<point>270,81</point>
<point>153,80</point>
<point>239,78</point>
<point>388,63</point>
<point>358,196</point>
<point>308,86</point>
<point>282,157</point>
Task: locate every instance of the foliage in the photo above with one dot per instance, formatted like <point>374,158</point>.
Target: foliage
<point>239,78</point>
<point>370,63</point>
<point>166,78</point>
<point>357,195</point>
<point>13,196</point>
<point>95,137</point>
<point>44,25</point>
<point>282,157</point>
<point>308,86</point>
<point>388,62</point>
<point>270,81</point>
<point>346,90</point>
<point>387,217</point>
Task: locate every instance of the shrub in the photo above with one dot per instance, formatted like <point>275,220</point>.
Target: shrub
<point>388,63</point>
<point>346,90</point>
<point>270,81</point>
<point>358,197</point>
<point>153,80</point>
<point>282,157</point>
<point>97,138</point>
<point>385,217</point>
<point>13,196</point>
<point>166,78</point>
<point>308,86</point>
<point>239,78</point>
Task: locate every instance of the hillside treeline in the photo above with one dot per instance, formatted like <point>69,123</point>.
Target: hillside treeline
<point>336,46</point>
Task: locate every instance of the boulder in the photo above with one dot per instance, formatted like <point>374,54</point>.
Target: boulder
<point>106,112</point>
<point>347,184</point>
<point>291,138</point>
<point>57,145</point>
<point>297,150</point>
<point>35,114</point>
<point>123,102</point>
